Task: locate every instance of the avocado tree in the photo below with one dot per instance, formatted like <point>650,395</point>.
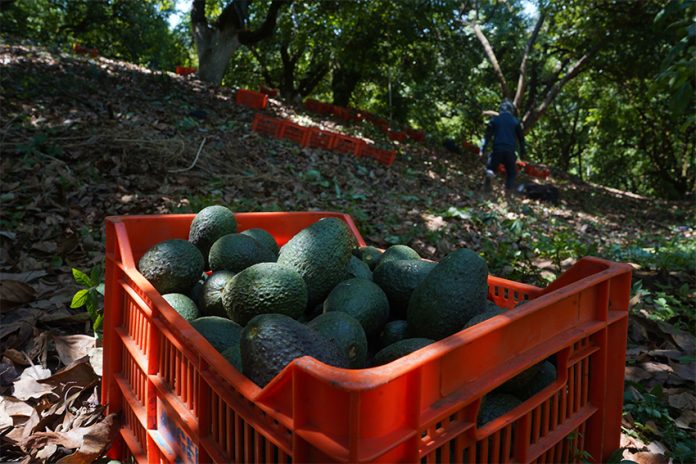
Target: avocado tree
<point>550,65</point>
<point>216,41</point>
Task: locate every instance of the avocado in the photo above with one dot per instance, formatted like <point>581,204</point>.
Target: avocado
<point>392,332</point>
<point>233,355</point>
<point>210,224</point>
<point>264,238</point>
<point>397,252</point>
<point>495,405</point>
<point>368,255</point>
<point>545,376</point>
<point>399,349</point>
<point>519,382</point>
<point>183,305</point>
<point>451,294</point>
<point>196,293</point>
<point>398,279</point>
<point>264,288</point>
<point>236,252</point>
<point>346,332</point>
<point>357,268</point>
<point>219,331</point>
<point>211,297</point>
<point>362,299</point>
<point>172,266</point>
<point>271,341</point>
<point>490,311</point>
<point>320,254</point>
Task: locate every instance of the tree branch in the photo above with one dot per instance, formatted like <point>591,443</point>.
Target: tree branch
<point>198,13</point>
<point>266,29</point>
<point>264,67</point>
<point>230,15</point>
<point>523,65</point>
<point>490,54</point>
<point>532,116</point>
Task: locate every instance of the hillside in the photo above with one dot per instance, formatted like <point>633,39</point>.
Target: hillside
<point>82,139</point>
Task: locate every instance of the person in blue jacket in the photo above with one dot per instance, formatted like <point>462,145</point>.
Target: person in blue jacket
<point>506,132</point>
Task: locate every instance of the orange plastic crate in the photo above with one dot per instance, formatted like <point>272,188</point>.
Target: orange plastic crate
<point>397,136</point>
<point>381,124</point>
<point>520,166</point>
<point>342,113</point>
<point>347,144</point>
<point>537,170</point>
<point>185,70</point>
<point>415,135</point>
<point>179,400</point>
<point>251,99</point>
<point>271,92</point>
<point>266,125</point>
<point>294,132</point>
<point>320,138</point>
<point>385,157</point>
<point>317,106</point>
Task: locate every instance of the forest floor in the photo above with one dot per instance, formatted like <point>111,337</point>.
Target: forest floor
<point>86,138</point>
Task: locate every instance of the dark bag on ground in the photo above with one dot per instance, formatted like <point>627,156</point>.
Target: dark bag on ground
<point>539,192</point>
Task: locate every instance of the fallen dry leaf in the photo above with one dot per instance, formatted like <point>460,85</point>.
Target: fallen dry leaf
<point>96,359</point>
<point>20,416</point>
<point>8,373</point>
<point>684,371</point>
<point>70,348</point>
<point>646,457</point>
<point>682,339</point>
<point>17,357</point>
<point>28,385</point>
<point>683,401</point>
<point>686,420</point>
<point>14,293</point>
<point>25,277</point>
<point>636,374</point>
<point>79,375</point>
<point>89,442</point>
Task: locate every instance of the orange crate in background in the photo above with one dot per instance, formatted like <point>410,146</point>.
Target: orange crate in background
<point>397,136</point>
<point>270,91</point>
<point>267,125</point>
<point>317,106</point>
<point>180,401</point>
<point>251,99</point>
<point>294,132</point>
<point>537,170</point>
<point>520,166</point>
<point>415,135</point>
<point>320,138</point>
<point>347,144</point>
<point>185,70</point>
<point>385,157</point>
<point>342,113</point>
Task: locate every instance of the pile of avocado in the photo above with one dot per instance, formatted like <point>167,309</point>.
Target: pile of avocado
<point>319,295</point>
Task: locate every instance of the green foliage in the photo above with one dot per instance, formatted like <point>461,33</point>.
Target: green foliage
<point>651,411</point>
<point>134,31</point>
<point>90,296</point>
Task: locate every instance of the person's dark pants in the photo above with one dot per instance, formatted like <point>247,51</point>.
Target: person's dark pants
<point>507,159</point>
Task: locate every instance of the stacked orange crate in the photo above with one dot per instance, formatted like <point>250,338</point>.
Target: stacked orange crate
<point>266,125</point>
<point>294,132</point>
<point>251,99</point>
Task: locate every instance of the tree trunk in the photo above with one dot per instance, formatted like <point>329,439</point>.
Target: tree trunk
<point>343,84</point>
<point>215,43</point>
<point>214,52</point>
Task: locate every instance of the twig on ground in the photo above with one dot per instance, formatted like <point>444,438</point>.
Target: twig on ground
<point>200,148</point>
